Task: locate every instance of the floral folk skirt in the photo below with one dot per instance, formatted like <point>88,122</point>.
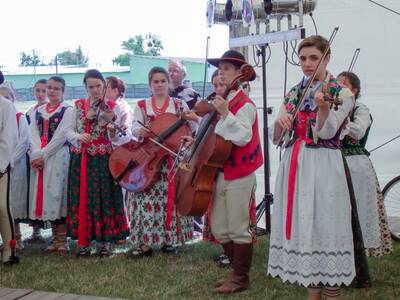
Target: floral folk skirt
<point>106,215</point>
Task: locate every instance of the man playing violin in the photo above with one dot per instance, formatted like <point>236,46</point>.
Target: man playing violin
<point>95,203</point>
<point>233,199</point>
<point>312,240</point>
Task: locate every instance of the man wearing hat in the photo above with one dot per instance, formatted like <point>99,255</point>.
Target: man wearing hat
<point>233,208</point>
<point>8,139</point>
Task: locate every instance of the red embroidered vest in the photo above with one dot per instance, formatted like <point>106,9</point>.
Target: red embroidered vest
<point>100,143</point>
<point>244,160</point>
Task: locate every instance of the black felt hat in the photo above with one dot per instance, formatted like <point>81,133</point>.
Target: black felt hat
<point>232,56</point>
<point>1,78</point>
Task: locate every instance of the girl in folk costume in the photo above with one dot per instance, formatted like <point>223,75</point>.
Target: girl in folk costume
<point>8,141</point>
<point>19,172</point>
<point>153,216</point>
<point>233,206</point>
<point>49,157</point>
<point>39,92</point>
<point>124,113</point>
<point>370,205</point>
<point>95,203</point>
<point>315,236</point>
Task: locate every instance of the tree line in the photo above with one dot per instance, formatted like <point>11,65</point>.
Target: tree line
<point>149,44</point>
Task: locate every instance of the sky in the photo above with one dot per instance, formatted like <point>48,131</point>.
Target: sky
<point>99,27</point>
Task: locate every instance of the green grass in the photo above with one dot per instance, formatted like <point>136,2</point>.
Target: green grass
<point>188,275</point>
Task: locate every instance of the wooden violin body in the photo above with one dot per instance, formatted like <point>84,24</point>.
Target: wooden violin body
<point>194,179</point>
<point>135,165</point>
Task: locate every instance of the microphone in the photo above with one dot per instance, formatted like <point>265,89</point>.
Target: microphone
<point>1,77</point>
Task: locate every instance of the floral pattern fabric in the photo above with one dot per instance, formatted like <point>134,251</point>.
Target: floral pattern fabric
<point>147,213</point>
<point>106,216</point>
<point>386,246</point>
<point>99,143</point>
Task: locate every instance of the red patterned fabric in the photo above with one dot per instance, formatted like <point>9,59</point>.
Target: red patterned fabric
<point>39,192</point>
<point>301,131</point>
<point>171,185</point>
<point>99,143</point>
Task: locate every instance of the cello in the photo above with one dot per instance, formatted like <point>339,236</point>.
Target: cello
<point>197,171</point>
<point>135,165</point>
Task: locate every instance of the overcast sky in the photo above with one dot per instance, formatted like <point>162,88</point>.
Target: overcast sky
<point>100,26</point>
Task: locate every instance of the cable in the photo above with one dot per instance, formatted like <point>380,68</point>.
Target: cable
<point>294,52</point>
<point>269,54</point>
<point>315,25</point>
<point>286,65</point>
<point>385,7</point>
<point>256,58</point>
<point>285,50</point>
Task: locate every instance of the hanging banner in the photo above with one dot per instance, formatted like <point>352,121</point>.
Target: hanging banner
<point>210,12</point>
<point>247,13</point>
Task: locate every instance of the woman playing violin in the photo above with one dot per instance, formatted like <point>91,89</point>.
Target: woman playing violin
<point>312,239</point>
<point>122,111</point>
<point>95,203</point>
<point>370,205</point>
<point>153,218</point>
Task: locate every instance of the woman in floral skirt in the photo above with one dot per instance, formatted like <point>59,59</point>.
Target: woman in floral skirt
<point>95,203</point>
<point>154,220</point>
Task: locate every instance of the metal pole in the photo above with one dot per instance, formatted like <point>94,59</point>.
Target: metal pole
<point>56,61</point>
<point>268,197</point>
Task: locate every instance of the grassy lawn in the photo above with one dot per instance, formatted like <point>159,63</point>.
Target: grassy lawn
<point>188,275</point>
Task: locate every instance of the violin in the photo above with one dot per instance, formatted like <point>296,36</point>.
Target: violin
<point>286,134</point>
<point>101,111</point>
<point>197,171</point>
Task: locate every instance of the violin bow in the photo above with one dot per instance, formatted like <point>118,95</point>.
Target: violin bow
<point>206,66</point>
<point>156,142</point>
<point>286,133</point>
<point>354,60</point>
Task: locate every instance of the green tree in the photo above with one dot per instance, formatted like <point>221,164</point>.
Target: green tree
<point>122,60</point>
<point>27,60</point>
<point>134,45</point>
<point>154,45</point>
<point>150,45</point>
<point>67,58</point>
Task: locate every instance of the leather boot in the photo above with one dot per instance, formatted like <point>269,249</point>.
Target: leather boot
<point>18,237</point>
<point>53,244</point>
<point>228,249</point>
<point>239,281</point>
<point>61,239</point>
